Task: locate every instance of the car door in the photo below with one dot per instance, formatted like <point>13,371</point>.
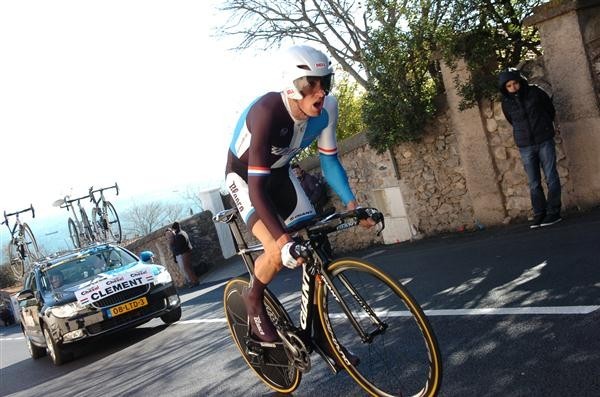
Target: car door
<point>30,309</point>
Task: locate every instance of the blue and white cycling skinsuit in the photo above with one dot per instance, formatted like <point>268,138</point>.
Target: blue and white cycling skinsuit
<point>258,175</point>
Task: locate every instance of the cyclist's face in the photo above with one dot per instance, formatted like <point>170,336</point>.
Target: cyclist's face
<point>313,97</point>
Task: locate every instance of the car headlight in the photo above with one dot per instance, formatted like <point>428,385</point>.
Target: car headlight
<point>68,310</point>
<point>163,277</point>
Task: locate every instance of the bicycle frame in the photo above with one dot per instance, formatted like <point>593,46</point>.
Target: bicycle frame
<point>310,273</point>
<point>18,223</point>
<point>101,199</point>
<point>68,204</point>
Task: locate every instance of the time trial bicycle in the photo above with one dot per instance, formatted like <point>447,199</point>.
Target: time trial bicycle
<point>355,316</point>
<point>80,227</point>
<point>23,248</point>
<point>105,220</point>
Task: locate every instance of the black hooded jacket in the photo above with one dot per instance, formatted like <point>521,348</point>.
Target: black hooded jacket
<point>530,110</point>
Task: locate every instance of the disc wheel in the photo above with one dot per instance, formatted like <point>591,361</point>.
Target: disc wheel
<point>74,233</point>
<point>400,355</point>
<point>272,366</point>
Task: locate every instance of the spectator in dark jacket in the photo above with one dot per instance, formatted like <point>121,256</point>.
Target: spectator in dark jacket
<point>531,113</point>
<point>314,188</point>
<point>182,253</point>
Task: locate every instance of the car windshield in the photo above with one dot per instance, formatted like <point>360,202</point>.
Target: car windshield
<point>85,267</point>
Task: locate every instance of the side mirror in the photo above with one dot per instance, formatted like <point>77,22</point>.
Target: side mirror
<point>25,295</point>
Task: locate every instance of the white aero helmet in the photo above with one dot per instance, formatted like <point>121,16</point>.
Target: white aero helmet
<point>301,62</point>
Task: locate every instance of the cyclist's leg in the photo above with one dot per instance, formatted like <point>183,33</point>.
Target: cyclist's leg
<point>266,266</point>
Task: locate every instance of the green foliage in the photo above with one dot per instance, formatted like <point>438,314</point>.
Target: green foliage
<point>401,90</point>
<point>490,36</point>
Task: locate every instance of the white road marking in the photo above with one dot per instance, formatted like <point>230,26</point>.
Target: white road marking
<point>483,311</point>
<point>498,311</point>
<point>372,254</point>
<point>202,320</point>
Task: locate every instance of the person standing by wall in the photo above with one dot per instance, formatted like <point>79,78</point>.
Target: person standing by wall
<point>182,252</point>
<point>313,187</point>
<point>531,113</point>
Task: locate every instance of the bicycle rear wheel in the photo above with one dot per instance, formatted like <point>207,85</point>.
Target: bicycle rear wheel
<point>88,232</point>
<point>99,230</point>
<point>74,233</point>
<point>273,368</point>
<point>402,355</point>
<point>112,222</point>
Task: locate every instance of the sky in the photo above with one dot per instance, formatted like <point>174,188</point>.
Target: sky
<point>138,92</point>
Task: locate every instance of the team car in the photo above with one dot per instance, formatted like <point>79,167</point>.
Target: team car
<point>89,292</point>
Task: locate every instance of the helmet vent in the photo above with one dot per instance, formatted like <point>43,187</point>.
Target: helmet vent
<point>305,67</point>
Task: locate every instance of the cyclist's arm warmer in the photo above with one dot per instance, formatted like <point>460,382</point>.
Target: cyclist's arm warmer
<point>259,171</point>
<point>330,163</point>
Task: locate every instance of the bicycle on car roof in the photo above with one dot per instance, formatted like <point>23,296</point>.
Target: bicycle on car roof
<point>80,228</point>
<point>23,248</point>
<point>105,220</point>
<point>354,315</point>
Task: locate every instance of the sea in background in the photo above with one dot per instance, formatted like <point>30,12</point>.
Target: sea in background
<point>50,225</point>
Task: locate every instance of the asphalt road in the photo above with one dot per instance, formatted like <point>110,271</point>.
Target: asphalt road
<point>516,313</point>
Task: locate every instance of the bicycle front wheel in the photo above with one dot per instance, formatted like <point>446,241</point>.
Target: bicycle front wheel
<point>398,351</point>
<point>74,233</point>
<point>112,222</point>
<point>30,248</point>
<point>272,366</point>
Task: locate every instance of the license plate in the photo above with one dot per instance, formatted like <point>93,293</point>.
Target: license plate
<point>127,307</point>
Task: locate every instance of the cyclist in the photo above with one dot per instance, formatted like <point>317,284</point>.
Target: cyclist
<point>269,133</point>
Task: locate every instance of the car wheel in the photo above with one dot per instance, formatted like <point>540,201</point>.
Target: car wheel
<point>172,316</point>
<point>54,350</point>
<point>35,351</point>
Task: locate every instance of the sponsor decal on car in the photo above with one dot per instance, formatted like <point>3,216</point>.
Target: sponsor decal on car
<point>117,283</point>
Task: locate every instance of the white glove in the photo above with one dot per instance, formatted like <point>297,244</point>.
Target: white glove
<point>287,256</point>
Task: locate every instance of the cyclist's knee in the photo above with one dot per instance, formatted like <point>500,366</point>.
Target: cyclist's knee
<point>273,258</point>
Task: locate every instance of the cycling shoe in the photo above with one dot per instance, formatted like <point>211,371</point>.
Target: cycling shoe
<point>261,326</point>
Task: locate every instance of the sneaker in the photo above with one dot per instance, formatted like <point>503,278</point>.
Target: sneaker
<point>261,326</point>
<point>537,221</point>
<point>551,219</point>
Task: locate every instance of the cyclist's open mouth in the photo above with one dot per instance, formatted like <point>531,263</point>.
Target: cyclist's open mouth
<point>318,105</point>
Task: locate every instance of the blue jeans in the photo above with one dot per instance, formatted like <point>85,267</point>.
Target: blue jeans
<point>542,156</point>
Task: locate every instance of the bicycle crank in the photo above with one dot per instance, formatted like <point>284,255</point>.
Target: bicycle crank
<point>296,350</point>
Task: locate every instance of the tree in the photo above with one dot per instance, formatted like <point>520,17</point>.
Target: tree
<point>7,276</point>
<point>489,35</point>
<point>142,219</point>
